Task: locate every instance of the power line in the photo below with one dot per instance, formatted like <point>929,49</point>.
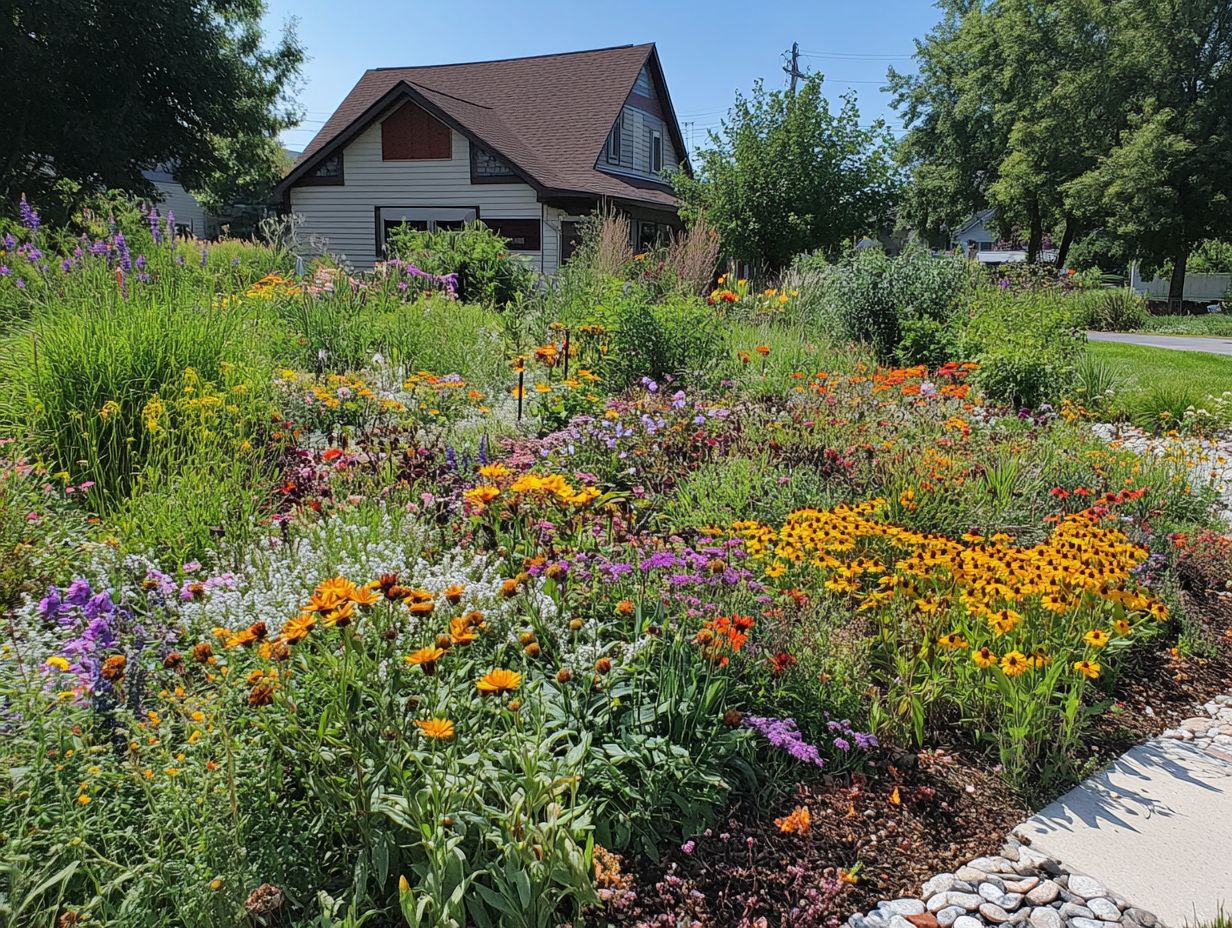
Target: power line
<point>852,56</point>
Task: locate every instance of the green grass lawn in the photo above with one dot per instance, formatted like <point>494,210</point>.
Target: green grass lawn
<point>1157,380</point>
<point>1209,324</point>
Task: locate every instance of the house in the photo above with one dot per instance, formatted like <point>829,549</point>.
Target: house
<point>977,238</point>
<point>191,217</point>
<point>979,230</point>
<point>528,146</point>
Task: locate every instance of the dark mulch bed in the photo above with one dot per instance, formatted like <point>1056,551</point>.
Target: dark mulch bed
<point>895,828</point>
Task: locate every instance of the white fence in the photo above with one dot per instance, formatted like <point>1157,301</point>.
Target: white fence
<point>1200,288</point>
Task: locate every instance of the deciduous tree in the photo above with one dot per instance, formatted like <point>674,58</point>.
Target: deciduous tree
<point>95,93</point>
<point>786,175</point>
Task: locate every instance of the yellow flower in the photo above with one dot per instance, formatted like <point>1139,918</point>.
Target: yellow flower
<point>952,640</point>
<point>1089,669</point>
<point>1096,638</point>
<point>109,409</point>
<point>59,663</point>
<point>494,471</point>
<point>983,658</point>
<point>1015,663</point>
<point>499,681</point>
<point>799,822</point>
<point>1121,626</point>
<point>435,728</point>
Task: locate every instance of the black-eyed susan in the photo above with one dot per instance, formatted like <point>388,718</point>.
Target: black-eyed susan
<point>952,640</point>
<point>498,681</point>
<point>1015,663</point>
<point>983,658</point>
<point>1089,669</point>
<point>1096,638</point>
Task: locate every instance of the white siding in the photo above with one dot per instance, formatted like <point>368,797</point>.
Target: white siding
<point>342,218</point>
<point>188,212</point>
<point>636,126</point>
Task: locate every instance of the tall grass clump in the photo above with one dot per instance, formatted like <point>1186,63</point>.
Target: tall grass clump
<point>101,391</point>
<point>1111,310</point>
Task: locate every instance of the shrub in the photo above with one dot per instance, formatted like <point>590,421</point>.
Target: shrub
<point>487,272</point>
<point>1114,310</point>
<point>677,337</point>
<point>874,296</point>
<point>1024,342</point>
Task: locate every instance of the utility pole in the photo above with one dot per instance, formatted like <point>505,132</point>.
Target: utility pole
<point>792,69</point>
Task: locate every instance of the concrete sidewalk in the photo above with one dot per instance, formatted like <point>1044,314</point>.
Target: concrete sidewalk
<point>1209,344</point>
<point>1154,826</point>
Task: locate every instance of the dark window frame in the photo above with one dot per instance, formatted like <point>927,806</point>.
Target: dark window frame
<point>614,142</point>
<point>656,151</point>
<point>316,180</point>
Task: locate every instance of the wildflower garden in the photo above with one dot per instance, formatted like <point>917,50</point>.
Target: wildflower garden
<point>435,595</point>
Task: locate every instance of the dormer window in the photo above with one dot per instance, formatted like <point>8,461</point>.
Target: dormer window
<point>613,145</point>
<point>656,151</point>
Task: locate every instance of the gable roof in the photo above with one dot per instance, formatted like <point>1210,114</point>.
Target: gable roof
<point>549,116</point>
<point>981,217</point>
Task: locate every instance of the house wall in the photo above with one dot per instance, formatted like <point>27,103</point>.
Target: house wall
<point>188,212</point>
<point>636,125</point>
<point>981,232</point>
<point>1200,288</point>
<point>340,219</point>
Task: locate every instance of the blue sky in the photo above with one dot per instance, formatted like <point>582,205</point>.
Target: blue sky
<point>709,50</point>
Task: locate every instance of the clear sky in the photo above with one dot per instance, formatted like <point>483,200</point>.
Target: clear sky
<point>709,50</point>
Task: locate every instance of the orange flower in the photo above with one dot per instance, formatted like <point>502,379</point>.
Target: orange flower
<point>798,822</point>
<point>498,681</point>
<point>425,658</point>
<point>437,729</point>
<point>297,629</point>
<point>461,632</point>
<point>624,607</point>
<point>453,594</point>
<point>365,596</point>
<point>342,616</point>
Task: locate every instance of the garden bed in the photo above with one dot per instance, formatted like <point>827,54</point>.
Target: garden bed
<point>336,599</point>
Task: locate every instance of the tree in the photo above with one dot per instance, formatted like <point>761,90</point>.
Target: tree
<point>785,176</point>
<point>1166,184</point>
<point>954,140</point>
<point>95,93</point>
<point>1011,103</point>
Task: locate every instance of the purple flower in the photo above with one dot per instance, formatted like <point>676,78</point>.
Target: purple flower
<point>155,226</point>
<point>78,593</point>
<point>29,217</point>
<point>783,734</point>
<point>126,259</point>
<point>49,606</point>
<point>688,847</point>
<point>4,270</point>
<point>19,284</point>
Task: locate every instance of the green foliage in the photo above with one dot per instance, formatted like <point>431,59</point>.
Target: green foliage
<point>487,272</point>
<point>786,176</point>
<point>901,307</point>
<point>1114,310</point>
<point>1025,344</point>
<point>195,87</point>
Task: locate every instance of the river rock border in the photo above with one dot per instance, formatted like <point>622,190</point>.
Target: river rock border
<point>1019,886</point>
<point>1211,732</point>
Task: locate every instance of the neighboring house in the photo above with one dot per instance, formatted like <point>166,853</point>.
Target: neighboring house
<point>190,216</point>
<point>528,146</point>
<point>977,238</point>
<point>980,229</point>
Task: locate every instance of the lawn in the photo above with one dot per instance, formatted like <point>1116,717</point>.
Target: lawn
<point>1218,324</point>
<point>430,597</point>
<point>1152,381</point>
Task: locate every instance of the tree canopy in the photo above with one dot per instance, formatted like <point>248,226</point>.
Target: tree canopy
<point>1080,115</point>
<point>786,175</point>
<point>95,93</point>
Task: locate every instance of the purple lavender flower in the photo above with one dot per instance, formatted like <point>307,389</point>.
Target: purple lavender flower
<point>155,226</point>
<point>29,217</point>
<point>126,259</point>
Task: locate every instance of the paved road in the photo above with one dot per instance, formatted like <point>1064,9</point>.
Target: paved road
<point>1206,343</point>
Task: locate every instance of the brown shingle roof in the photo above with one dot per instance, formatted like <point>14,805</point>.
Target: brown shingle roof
<point>549,115</point>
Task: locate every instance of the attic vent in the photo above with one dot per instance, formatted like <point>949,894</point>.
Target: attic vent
<point>487,166</point>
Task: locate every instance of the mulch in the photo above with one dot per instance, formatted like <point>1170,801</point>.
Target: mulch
<point>909,818</point>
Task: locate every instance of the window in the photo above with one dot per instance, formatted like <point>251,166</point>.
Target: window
<point>613,143</point>
<point>656,151</point>
<point>521,234</point>
<point>423,218</point>
<point>647,236</point>
<point>570,238</point>
<point>411,134</point>
<point>328,172</point>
